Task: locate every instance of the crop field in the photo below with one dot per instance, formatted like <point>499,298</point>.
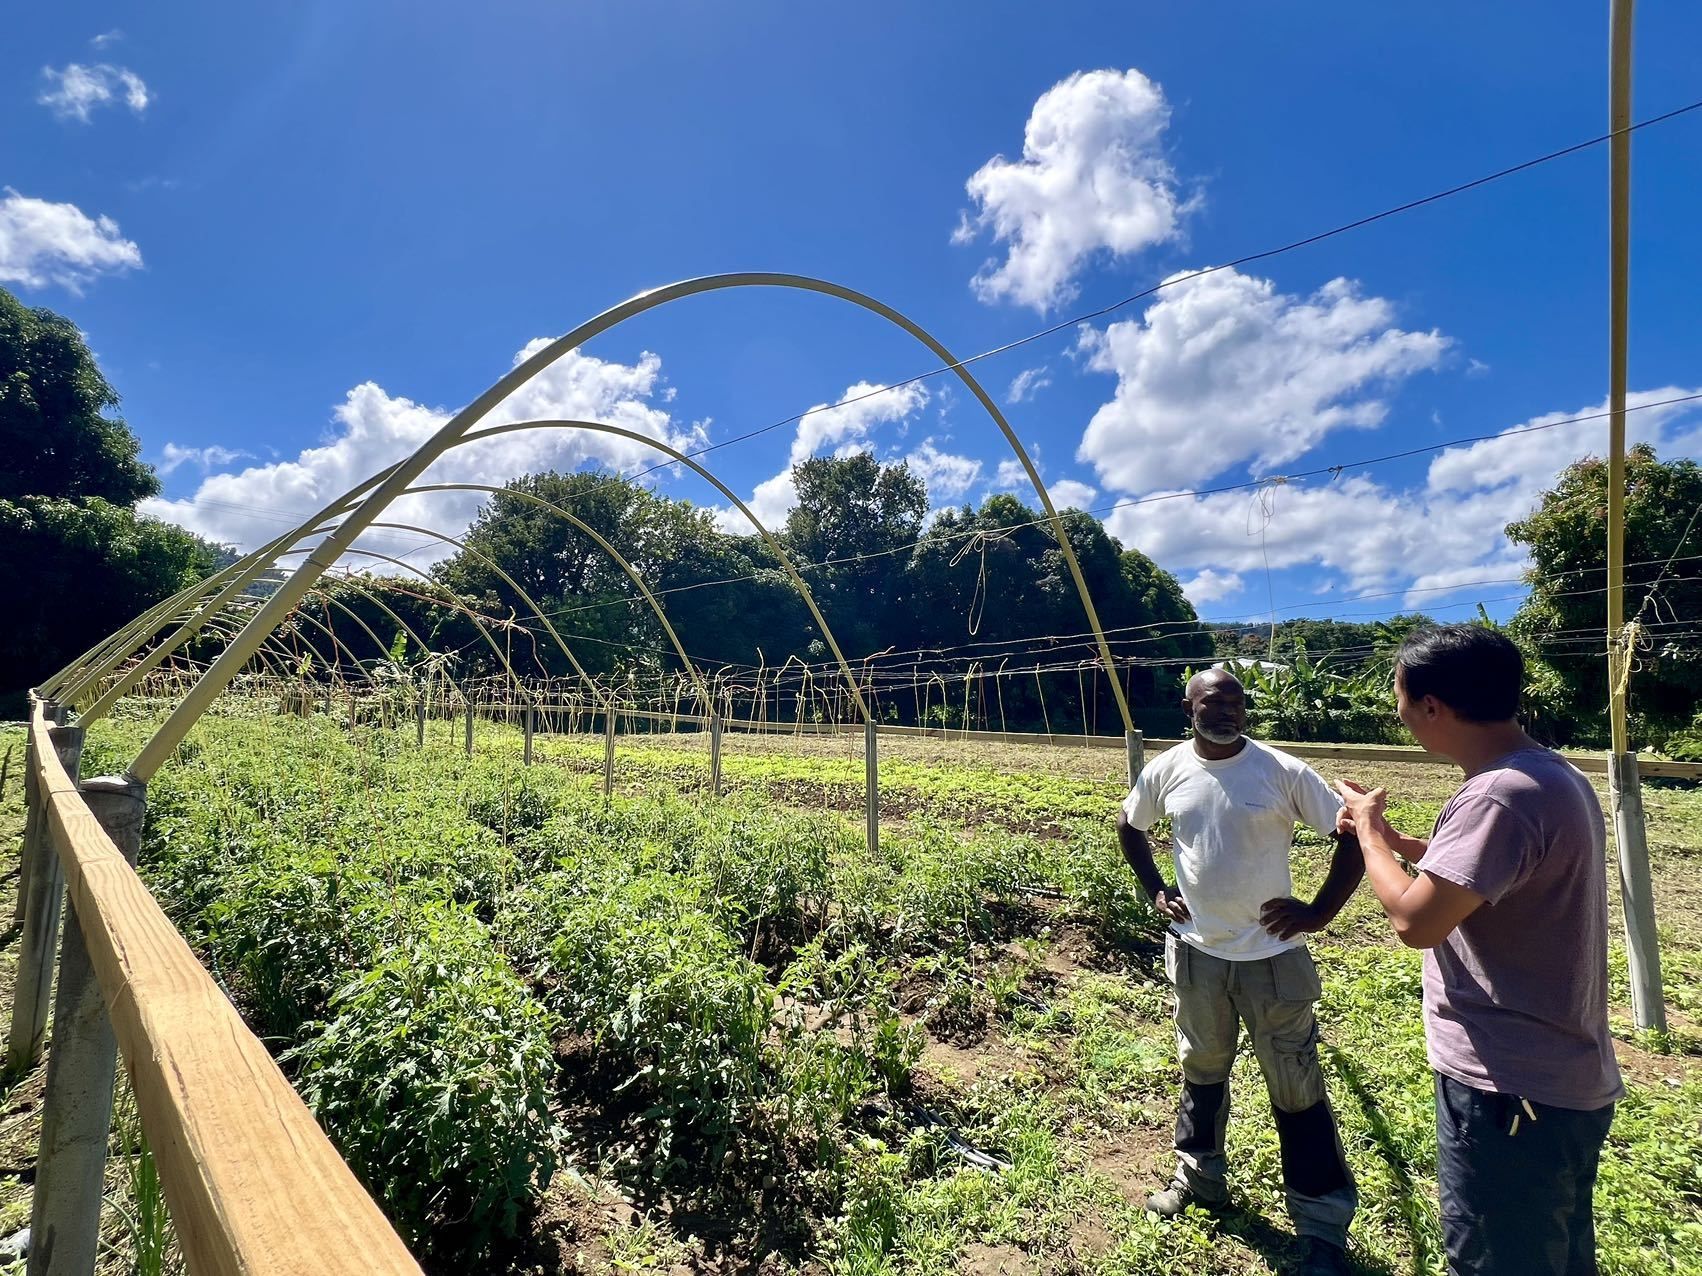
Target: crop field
<point>670,1033</point>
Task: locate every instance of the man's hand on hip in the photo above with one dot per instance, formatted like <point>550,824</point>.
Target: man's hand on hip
<point>1169,904</point>
<point>1285,918</point>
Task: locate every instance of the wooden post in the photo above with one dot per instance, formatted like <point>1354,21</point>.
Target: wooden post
<point>872,776</point>
<point>1135,742</point>
<point>82,1063</point>
<point>32,805</point>
<point>715,754</point>
<point>469,728</point>
<point>419,721</point>
<point>325,700</point>
<point>44,898</point>
<point>608,752</point>
<point>526,755</point>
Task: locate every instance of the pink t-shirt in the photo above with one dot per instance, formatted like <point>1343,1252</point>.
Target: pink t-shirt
<point>1515,1000</point>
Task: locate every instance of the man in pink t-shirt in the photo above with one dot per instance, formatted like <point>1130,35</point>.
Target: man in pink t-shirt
<point>1510,904</point>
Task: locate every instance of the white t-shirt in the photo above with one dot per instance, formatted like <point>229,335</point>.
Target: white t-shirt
<point>1232,824</point>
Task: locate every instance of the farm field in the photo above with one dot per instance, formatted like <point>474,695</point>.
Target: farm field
<point>671,1034</point>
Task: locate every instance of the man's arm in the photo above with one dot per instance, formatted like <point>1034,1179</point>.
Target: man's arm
<point>1138,852</point>
<point>1372,826</point>
<point>1286,918</point>
<point>1423,910</point>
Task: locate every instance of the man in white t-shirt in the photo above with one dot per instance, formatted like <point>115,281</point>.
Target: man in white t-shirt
<point>1236,953</point>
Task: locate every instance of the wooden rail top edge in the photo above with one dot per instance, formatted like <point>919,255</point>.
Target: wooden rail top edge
<point>253,1184</point>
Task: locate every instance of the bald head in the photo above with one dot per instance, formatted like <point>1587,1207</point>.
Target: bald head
<point>1210,678</point>
<point>1216,705</point>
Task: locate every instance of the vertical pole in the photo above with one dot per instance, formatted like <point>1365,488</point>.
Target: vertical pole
<point>872,777</point>
<point>1135,743</point>
<point>82,1063</point>
<point>32,805</point>
<point>1625,797</point>
<point>419,721</point>
<point>43,898</point>
<point>526,755</point>
<point>325,700</point>
<point>715,754</point>
<point>469,728</point>
<point>608,751</point>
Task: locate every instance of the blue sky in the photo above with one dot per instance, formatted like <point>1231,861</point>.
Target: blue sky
<point>298,235</point>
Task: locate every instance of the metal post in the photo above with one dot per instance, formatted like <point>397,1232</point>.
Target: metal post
<point>469,728</point>
<point>608,751</point>
<point>872,775</point>
<point>419,722</point>
<point>82,1062</point>
<point>43,898</point>
<point>526,755</point>
<point>715,754</point>
<point>1135,743</point>
<point>325,700</point>
<point>1625,797</point>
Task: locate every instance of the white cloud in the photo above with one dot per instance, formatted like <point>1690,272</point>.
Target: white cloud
<point>1068,494</point>
<point>841,428</point>
<point>374,429</point>
<point>1092,177</point>
<point>1446,533</point>
<point>1210,586</point>
<point>1224,370</point>
<point>207,458</point>
<point>1027,383</point>
<point>105,38</point>
<point>947,475</point>
<point>75,91</point>
<point>42,243</point>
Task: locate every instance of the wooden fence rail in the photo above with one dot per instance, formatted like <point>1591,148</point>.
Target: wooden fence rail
<point>253,1184</point>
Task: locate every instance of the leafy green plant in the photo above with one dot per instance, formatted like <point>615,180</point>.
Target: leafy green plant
<point>432,1076</point>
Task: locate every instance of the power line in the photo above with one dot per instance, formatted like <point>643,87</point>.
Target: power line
<point>1189,276</point>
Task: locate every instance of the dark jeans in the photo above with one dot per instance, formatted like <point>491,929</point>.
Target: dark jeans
<point>1517,1193</point>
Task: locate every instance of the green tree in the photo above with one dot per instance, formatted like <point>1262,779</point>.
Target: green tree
<point>1563,623</point>
<point>76,561</point>
<point>856,521</point>
<point>54,433</point>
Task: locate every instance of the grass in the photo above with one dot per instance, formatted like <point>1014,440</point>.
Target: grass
<point>774,1051</point>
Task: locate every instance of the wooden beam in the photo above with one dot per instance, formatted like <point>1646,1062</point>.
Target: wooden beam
<point>253,1184</point>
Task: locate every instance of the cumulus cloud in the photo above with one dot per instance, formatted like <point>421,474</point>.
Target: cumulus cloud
<point>1068,494</point>
<point>1027,383</point>
<point>212,457</point>
<point>1092,177</point>
<point>373,429</point>
<point>947,474</point>
<point>106,38</point>
<point>1225,370</point>
<point>76,92</point>
<point>840,428</point>
<point>43,243</point>
<point>1210,586</point>
<point>1445,533</point>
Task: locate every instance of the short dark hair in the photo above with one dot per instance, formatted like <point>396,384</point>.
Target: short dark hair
<point>1475,670</point>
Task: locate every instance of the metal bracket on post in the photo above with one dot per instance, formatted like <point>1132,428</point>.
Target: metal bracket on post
<point>82,1063</point>
<point>872,775</point>
<point>1135,743</point>
<point>43,898</point>
<point>608,751</point>
<point>526,754</point>
<point>1637,894</point>
<point>715,754</point>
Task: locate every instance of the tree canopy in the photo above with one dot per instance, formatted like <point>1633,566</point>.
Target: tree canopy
<point>76,561</point>
<point>1563,623</point>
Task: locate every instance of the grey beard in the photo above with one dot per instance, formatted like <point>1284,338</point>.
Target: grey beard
<point>1216,737</point>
